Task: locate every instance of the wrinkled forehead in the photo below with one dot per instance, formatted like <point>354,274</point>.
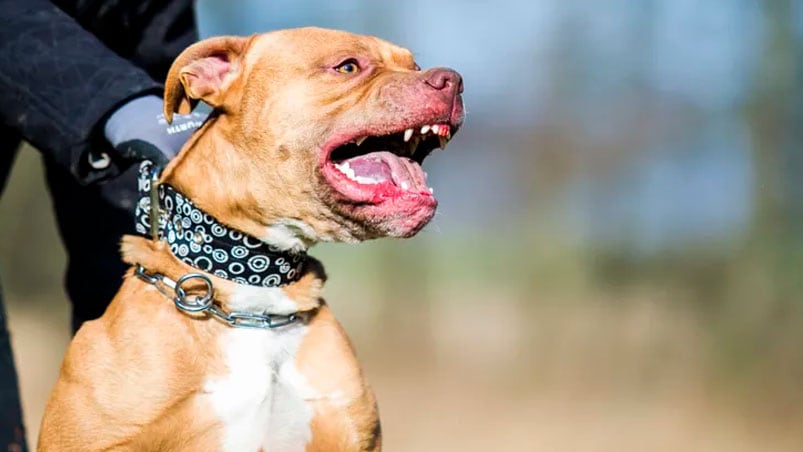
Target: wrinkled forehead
<point>316,47</point>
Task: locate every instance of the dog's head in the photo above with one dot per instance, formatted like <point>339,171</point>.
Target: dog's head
<point>316,127</point>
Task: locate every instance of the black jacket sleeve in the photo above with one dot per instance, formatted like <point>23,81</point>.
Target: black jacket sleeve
<point>58,81</point>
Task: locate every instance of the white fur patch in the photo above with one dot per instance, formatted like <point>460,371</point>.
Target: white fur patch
<point>263,400</point>
<point>292,235</point>
<point>261,299</point>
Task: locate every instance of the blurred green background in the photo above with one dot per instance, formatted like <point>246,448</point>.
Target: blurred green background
<point>617,260</point>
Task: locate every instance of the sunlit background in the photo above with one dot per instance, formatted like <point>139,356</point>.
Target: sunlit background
<point>617,262</point>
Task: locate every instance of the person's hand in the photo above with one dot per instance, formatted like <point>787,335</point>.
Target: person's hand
<point>138,131</point>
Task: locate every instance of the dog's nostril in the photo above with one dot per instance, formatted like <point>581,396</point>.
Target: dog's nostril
<point>444,79</point>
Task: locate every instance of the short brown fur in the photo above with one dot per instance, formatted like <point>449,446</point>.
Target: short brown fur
<point>132,380</point>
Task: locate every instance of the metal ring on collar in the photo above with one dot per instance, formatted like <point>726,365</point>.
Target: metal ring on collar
<point>201,303</point>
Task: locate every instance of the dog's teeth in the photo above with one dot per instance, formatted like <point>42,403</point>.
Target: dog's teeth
<point>360,140</point>
<point>349,172</point>
<point>443,141</point>
<point>425,129</point>
<point>435,129</point>
<point>405,186</point>
<point>364,180</point>
<point>431,190</point>
<point>408,134</point>
<point>345,169</point>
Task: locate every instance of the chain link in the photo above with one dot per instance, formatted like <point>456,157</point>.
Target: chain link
<point>205,303</point>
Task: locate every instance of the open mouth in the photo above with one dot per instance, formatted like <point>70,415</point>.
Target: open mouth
<point>373,168</point>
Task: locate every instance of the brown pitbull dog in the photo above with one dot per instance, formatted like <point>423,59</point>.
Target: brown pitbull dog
<point>316,135</point>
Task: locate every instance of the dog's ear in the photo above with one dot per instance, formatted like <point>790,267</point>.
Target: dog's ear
<point>203,71</point>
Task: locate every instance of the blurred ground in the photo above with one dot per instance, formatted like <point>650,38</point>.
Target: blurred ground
<point>468,355</point>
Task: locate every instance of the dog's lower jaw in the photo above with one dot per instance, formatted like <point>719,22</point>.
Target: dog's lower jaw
<point>295,235</point>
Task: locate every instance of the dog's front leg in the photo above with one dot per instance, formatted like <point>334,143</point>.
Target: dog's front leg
<point>345,415</point>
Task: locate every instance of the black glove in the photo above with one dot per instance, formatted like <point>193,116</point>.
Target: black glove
<point>138,131</point>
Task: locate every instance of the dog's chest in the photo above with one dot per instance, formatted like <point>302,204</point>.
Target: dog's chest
<point>261,401</point>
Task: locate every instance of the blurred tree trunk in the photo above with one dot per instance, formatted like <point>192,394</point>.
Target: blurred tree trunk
<point>774,118</point>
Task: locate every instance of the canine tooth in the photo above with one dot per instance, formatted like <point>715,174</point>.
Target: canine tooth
<point>443,141</point>
<point>364,180</point>
<point>431,190</point>
<point>435,129</point>
<point>360,140</point>
<point>405,185</point>
<point>425,129</point>
<point>408,134</point>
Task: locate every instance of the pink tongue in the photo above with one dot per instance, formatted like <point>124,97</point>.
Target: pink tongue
<point>371,166</point>
<point>388,167</point>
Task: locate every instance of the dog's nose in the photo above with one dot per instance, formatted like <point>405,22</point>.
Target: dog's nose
<point>443,79</point>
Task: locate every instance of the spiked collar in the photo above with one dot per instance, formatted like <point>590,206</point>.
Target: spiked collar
<point>202,242</point>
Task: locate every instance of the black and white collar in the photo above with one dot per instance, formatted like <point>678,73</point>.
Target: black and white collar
<point>202,242</point>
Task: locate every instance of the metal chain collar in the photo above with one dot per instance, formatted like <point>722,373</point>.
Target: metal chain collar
<point>205,303</point>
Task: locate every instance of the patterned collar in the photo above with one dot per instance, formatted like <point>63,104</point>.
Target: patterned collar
<point>202,242</point>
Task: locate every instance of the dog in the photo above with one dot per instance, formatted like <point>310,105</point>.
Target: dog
<point>218,339</point>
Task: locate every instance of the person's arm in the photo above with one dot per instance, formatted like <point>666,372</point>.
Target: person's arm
<point>59,83</point>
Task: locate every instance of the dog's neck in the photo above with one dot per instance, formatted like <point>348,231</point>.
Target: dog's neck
<point>215,182</point>
<point>219,179</point>
<point>205,243</point>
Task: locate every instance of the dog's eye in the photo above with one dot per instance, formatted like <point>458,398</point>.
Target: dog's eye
<point>349,66</point>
